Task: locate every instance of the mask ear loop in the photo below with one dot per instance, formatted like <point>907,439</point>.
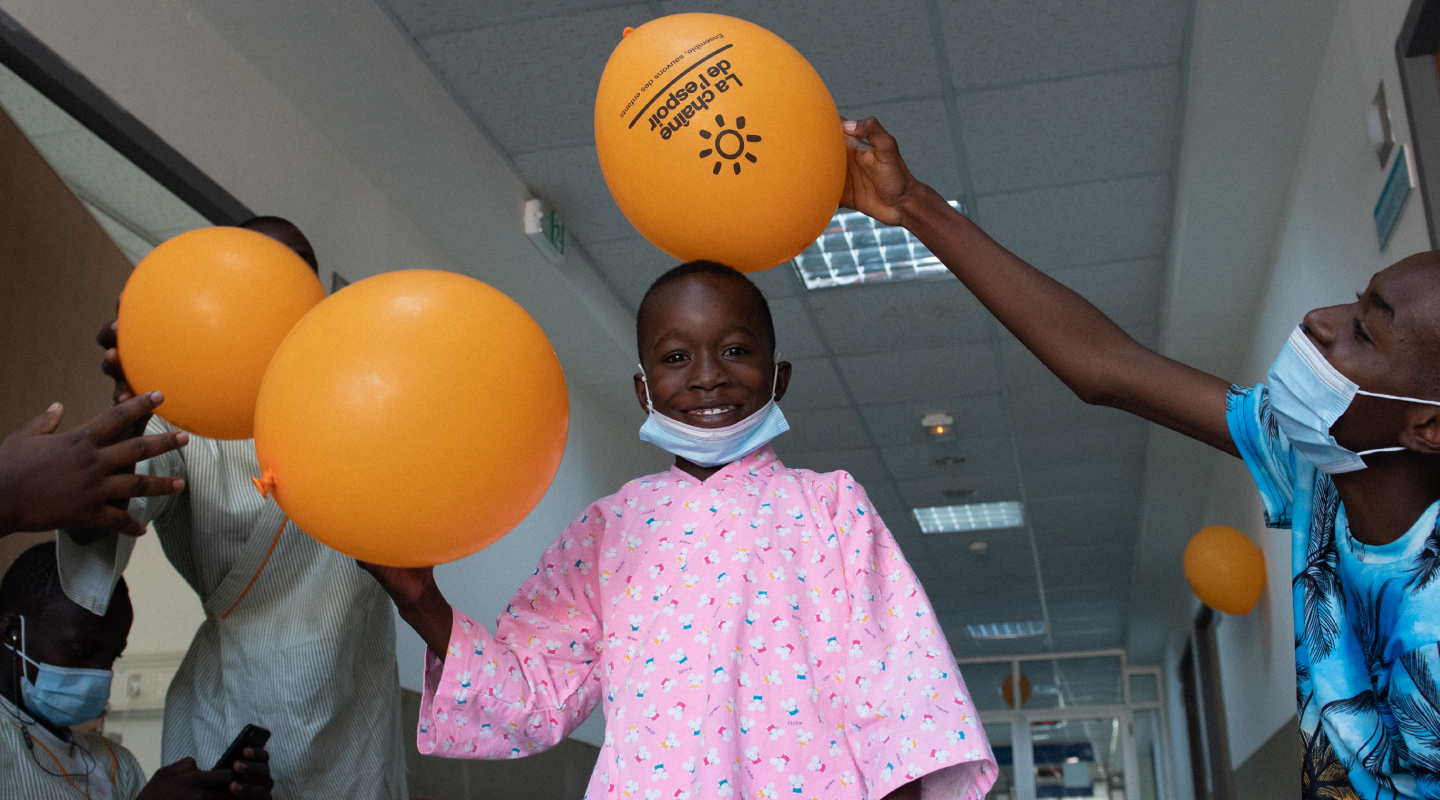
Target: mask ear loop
<point>649,404</point>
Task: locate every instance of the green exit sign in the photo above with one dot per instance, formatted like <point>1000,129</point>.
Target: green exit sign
<point>546,230</point>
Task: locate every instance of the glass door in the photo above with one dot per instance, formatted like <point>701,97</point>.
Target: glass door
<point>1082,725</point>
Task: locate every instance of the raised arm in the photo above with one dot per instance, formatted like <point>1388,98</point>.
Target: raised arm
<point>1101,363</point>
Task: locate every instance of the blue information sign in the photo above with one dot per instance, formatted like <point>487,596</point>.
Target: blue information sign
<point>1393,196</point>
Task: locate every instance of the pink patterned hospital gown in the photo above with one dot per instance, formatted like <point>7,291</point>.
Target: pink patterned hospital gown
<point>757,635</point>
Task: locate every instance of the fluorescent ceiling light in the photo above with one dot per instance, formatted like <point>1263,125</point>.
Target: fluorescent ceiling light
<point>1006,630</point>
<point>857,249</point>
<point>970,517</point>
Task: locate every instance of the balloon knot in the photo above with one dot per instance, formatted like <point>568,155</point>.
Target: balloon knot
<point>265,484</point>
<point>626,32</point>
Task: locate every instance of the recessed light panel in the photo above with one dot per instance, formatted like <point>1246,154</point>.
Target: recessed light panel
<point>1006,630</point>
<point>970,517</point>
<point>856,249</point>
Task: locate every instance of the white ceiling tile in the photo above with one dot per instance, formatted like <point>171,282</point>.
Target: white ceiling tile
<point>990,43</point>
<point>630,265</point>
<point>982,455</point>
<point>779,281</point>
<point>1086,224</point>
<point>1078,449</point>
<point>923,131</point>
<point>423,17</point>
<point>847,55</point>
<point>822,429</point>
<point>933,374</point>
<point>794,335</point>
<point>1092,128</point>
<point>988,487</point>
<point>898,424</point>
<point>1006,558</point>
<point>1081,518</point>
<point>1044,483</point>
<point>902,316</point>
<point>532,83</point>
<point>813,384</point>
<point>1128,292</point>
<point>570,180</point>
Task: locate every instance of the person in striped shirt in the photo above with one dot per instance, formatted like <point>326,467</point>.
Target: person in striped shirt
<point>324,681</point>
<point>55,673</point>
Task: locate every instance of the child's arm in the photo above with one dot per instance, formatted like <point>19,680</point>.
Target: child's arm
<point>1087,351</point>
<point>529,685</point>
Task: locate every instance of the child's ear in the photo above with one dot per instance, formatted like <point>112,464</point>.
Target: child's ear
<point>640,392</point>
<point>782,379</point>
<point>1422,433</point>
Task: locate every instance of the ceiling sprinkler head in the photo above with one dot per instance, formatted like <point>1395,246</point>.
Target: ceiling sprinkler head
<point>949,461</point>
<point>979,548</point>
<point>957,493</point>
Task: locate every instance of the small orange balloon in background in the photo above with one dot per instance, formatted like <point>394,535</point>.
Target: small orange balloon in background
<point>201,316</point>
<point>1225,569</point>
<point>719,141</point>
<point>1007,690</point>
<point>412,418</point>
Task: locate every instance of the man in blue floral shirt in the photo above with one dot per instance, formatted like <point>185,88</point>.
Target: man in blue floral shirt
<point>1343,441</point>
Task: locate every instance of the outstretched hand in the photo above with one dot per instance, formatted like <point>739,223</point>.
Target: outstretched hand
<point>419,600</point>
<point>69,480</point>
<point>877,182</point>
<point>184,780</point>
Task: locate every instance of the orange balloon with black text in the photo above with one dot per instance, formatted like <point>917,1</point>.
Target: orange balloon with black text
<point>412,418</point>
<point>719,141</point>
<point>1225,569</point>
<point>200,318</point>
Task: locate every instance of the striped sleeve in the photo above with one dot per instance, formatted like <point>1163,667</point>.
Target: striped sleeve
<point>89,572</point>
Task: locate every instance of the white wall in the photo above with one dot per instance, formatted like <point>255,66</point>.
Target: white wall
<point>239,90</point>
<point>1325,251</point>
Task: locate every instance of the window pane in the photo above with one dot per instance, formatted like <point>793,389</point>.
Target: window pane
<point>999,735</point>
<point>1144,688</point>
<point>1066,682</point>
<point>1078,758</point>
<point>1148,754</point>
<point>986,684</point>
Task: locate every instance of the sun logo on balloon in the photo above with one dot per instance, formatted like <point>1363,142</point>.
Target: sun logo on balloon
<point>728,144</point>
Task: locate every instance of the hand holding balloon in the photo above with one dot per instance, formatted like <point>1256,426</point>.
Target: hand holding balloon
<point>877,182</point>
<point>418,599</point>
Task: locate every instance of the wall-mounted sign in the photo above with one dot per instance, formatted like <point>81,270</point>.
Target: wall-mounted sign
<point>1377,124</point>
<point>1392,198</point>
<point>545,230</point>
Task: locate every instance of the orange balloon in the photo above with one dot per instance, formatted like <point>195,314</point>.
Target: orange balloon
<point>412,418</point>
<point>719,141</point>
<point>1007,690</point>
<point>1225,569</point>
<point>201,316</point>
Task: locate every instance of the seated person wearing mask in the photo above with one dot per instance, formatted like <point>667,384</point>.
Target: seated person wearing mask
<point>55,672</point>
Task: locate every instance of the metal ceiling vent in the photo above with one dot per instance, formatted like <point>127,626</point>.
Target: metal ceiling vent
<point>856,249</point>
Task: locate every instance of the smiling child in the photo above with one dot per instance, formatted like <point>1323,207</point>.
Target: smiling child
<point>751,630</point>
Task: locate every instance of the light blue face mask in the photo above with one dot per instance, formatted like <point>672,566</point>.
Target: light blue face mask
<point>711,447</point>
<point>1308,395</point>
<point>63,696</point>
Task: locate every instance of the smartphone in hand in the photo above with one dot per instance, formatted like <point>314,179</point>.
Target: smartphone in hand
<point>250,736</point>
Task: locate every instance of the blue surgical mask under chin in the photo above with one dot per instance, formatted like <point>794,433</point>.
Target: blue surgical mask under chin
<point>711,447</point>
<point>1307,396</point>
<point>63,696</point>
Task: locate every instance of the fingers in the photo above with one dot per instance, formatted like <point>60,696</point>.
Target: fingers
<point>45,423</point>
<point>107,338</point>
<point>110,518</point>
<point>105,426</point>
<point>125,486</point>
<point>132,451</point>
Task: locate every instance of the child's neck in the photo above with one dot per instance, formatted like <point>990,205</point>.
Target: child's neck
<point>1385,499</point>
<point>696,471</point>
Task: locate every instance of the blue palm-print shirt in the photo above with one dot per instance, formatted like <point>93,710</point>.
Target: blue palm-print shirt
<point>1367,623</point>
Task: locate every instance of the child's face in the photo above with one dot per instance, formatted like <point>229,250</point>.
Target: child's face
<point>706,355</point>
<point>1387,341</point>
